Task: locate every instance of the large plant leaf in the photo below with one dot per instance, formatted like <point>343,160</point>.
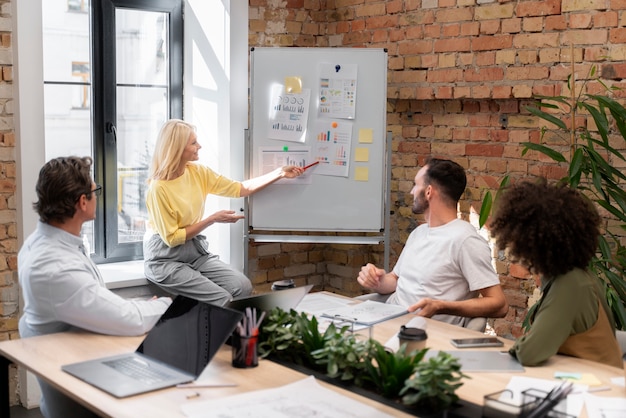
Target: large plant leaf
<point>485,209</point>
<point>618,112</point>
<point>575,168</point>
<point>555,155</point>
<point>600,119</point>
<point>547,116</point>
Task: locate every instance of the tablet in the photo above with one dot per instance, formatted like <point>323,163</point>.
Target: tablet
<point>476,342</point>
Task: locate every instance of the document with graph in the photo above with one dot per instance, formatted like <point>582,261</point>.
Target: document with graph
<point>368,313</point>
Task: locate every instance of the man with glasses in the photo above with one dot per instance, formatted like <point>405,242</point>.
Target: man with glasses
<point>62,288</point>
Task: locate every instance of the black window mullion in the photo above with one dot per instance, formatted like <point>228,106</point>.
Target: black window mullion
<point>106,245</point>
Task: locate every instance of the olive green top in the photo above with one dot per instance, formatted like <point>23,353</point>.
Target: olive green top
<point>568,306</point>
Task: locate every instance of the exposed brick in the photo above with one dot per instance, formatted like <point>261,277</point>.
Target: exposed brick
<point>454,15</point>
<point>492,42</point>
<point>617,36</point>
<point>584,5</point>
<point>489,27</point>
<point>538,8</point>
<point>578,37</point>
<point>484,74</point>
<point>532,24</point>
<point>452,45</point>
<point>494,11</point>
<point>536,40</point>
<point>513,25</point>
<point>580,20</point>
<point>553,23</point>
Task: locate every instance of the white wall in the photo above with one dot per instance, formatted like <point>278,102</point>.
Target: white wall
<point>216,101</point>
<point>29,135</point>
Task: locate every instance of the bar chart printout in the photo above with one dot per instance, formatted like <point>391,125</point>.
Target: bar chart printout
<point>288,114</point>
<point>274,157</point>
<point>331,147</point>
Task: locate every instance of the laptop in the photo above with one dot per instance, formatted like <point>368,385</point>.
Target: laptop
<point>285,299</point>
<point>483,360</point>
<point>176,350</point>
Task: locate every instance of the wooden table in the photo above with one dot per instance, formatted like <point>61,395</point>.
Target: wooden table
<point>44,356</point>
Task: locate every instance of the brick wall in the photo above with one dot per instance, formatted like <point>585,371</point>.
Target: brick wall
<point>461,73</point>
<point>8,226</point>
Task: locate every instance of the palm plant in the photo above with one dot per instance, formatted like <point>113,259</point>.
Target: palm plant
<point>589,170</point>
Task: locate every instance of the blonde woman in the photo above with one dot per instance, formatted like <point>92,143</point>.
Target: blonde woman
<point>176,254</point>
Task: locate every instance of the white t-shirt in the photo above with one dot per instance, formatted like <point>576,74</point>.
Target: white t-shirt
<point>449,262</point>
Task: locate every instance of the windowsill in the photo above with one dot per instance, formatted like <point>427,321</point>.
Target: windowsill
<point>124,274</point>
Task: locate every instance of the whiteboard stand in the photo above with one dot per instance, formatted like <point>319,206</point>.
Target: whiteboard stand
<point>383,238</point>
<point>333,209</point>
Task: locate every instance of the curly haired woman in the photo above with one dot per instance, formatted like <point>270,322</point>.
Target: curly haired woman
<point>553,230</point>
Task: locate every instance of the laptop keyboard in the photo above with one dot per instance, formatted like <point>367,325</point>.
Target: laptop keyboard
<point>138,370</point>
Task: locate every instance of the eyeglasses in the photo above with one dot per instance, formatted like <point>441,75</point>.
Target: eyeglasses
<point>97,190</point>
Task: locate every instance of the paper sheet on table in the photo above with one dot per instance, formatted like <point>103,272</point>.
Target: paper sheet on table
<point>518,384</point>
<point>369,312</point>
<point>305,398</point>
<point>317,303</point>
<point>604,407</point>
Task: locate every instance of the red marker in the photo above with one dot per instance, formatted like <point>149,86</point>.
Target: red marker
<point>311,165</point>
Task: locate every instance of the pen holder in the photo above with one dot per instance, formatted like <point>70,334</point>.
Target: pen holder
<point>502,405</point>
<point>531,398</point>
<point>244,350</point>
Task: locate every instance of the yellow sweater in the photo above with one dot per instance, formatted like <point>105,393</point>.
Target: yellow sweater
<point>174,204</point>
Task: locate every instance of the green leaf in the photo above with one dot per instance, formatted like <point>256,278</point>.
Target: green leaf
<point>547,116</point>
<point>485,209</point>
<point>600,120</point>
<point>555,155</point>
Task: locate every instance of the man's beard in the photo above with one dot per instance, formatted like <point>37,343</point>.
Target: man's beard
<point>420,204</point>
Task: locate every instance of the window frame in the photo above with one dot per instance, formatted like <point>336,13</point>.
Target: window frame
<point>107,249</point>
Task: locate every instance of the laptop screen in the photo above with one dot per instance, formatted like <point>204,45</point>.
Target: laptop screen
<point>285,299</point>
<point>189,334</point>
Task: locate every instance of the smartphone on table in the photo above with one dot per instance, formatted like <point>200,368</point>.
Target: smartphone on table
<point>476,342</point>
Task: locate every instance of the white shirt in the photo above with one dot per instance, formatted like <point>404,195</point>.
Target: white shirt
<point>62,288</point>
<point>448,262</point>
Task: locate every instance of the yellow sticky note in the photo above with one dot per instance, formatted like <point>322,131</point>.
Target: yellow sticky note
<point>589,379</point>
<point>581,378</point>
<point>366,135</point>
<point>361,154</point>
<point>293,85</point>
<point>361,173</point>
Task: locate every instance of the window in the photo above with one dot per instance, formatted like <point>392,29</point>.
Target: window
<point>111,78</point>
<point>78,5</point>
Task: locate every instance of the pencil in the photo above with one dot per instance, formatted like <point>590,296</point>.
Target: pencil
<point>310,165</point>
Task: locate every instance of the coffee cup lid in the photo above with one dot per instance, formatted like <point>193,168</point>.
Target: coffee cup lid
<point>412,333</point>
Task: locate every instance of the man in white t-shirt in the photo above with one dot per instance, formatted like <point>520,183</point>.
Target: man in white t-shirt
<point>445,265</point>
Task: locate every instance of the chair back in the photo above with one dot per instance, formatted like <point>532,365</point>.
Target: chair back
<point>477,324</point>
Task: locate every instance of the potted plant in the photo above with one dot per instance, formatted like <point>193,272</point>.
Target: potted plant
<point>585,149</point>
<point>402,380</point>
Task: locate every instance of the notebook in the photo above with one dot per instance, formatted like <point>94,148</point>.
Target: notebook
<point>483,360</point>
<point>285,299</point>
<point>176,350</point>
<point>368,313</point>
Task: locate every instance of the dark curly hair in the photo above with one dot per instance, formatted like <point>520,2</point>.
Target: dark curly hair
<point>62,181</point>
<point>550,229</point>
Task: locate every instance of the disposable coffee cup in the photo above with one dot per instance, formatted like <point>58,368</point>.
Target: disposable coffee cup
<point>283,284</point>
<point>414,338</point>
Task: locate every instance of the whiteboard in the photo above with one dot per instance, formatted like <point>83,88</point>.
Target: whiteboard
<point>355,200</point>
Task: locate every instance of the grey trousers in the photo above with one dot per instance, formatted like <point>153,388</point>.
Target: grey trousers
<point>191,270</point>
